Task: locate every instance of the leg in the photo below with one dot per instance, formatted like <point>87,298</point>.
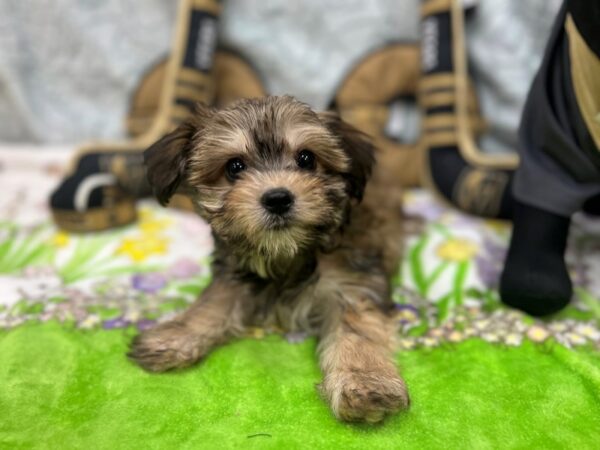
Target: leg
<point>535,277</point>
<point>181,342</point>
<point>592,206</point>
<point>560,165</point>
<point>361,381</point>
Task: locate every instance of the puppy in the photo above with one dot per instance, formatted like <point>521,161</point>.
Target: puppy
<point>301,242</point>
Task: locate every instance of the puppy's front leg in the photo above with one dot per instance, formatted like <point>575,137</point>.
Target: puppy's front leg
<point>217,315</point>
<point>361,382</point>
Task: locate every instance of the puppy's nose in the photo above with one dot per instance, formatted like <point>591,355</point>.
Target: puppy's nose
<point>277,201</point>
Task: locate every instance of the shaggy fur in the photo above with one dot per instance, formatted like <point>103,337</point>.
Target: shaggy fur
<point>323,266</point>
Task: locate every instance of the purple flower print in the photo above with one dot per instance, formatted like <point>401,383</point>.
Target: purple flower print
<point>406,314</point>
<point>111,324</point>
<point>149,282</point>
<point>424,207</point>
<point>490,262</point>
<point>296,337</point>
<point>144,324</point>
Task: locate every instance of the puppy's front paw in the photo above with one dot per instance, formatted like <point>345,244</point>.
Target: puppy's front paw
<point>168,346</point>
<point>364,396</point>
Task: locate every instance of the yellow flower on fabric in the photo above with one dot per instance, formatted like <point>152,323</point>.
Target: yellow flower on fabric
<point>499,226</point>
<point>154,226</point>
<point>429,341</point>
<point>559,327</point>
<point>255,332</point>
<point>537,333</point>
<point>456,336</point>
<point>436,333</point>
<point>575,338</point>
<point>407,344</point>
<point>588,331</point>
<point>149,223</point>
<point>90,321</point>
<point>481,324</point>
<point>146,214</point>
<point>458,250</point>
<point>513,339</point>
<point>132,316</point>
<point>407,314</point>
<point>470,332</point>
<point>140,248</point>
<point>60,239</point>
<point>491,336</point>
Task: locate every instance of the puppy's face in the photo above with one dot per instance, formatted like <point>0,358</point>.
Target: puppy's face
<point>271,176</point>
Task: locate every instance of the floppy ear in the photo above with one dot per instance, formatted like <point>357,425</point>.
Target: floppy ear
<point>166,159</point>
<point>359,149</point>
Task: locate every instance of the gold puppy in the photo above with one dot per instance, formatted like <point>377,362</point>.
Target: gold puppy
<point>301,242</point>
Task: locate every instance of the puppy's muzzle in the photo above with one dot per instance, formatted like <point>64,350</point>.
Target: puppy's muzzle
<point>277,201</point>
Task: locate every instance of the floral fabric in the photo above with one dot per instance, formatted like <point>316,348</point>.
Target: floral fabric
<point>445,290</point>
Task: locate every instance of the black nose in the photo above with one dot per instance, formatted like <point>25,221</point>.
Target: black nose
<point>277,201</point>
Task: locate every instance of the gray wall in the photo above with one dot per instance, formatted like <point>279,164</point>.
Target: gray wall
<point>68,67</point>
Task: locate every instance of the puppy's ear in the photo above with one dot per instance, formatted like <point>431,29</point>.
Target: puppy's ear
<point>359,149</point>
<point>166,160</point>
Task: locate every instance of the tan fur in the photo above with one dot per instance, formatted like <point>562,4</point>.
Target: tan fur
<point>215,317</point>
<point>324,267</point>
<point>361,382</point>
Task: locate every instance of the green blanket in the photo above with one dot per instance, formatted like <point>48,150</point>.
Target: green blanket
<point>480,376</point>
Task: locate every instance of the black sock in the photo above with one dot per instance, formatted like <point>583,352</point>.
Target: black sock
<point>592,206</point>
<point>535,277</point>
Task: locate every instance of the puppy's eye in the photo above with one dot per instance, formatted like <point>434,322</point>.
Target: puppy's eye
<point>306,160</point>
<point>234,167</point>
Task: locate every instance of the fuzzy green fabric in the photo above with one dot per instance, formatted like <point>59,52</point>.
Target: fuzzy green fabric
<point>66,388</point>
<point>480,375</point>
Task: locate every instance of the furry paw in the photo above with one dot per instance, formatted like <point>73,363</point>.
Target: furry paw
<point>363,396</point>
<point>168,346</point>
